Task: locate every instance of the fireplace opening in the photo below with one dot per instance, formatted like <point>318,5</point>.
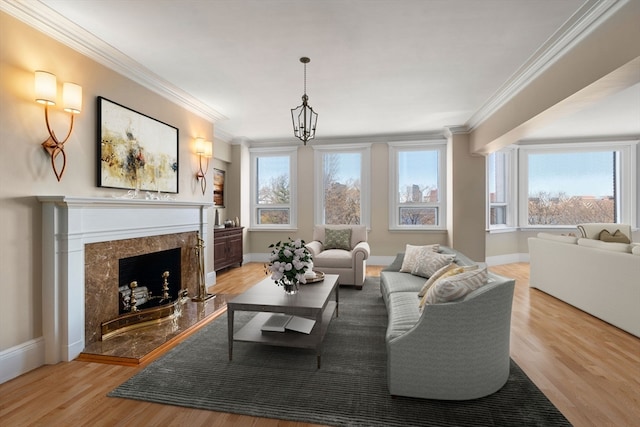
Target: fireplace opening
<point>149,280</point>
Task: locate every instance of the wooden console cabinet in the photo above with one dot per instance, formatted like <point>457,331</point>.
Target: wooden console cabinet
<point>227,247</point>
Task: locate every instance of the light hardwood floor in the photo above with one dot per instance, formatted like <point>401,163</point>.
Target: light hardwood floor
<point>590,370</point>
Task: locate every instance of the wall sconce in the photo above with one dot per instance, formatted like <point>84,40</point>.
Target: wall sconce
<point>46,92</point>
<point>203,149</point>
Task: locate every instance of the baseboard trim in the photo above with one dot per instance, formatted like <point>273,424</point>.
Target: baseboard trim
<point>386,260</point>
<point>507,259</point>
<point>21,359</point>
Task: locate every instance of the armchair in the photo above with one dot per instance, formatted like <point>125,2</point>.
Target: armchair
<point>348,261</point>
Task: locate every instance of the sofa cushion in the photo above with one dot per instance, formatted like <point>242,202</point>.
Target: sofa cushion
<point>337,239</point>
<point>617,237</point>
<point>456,287</point>
<point>333,258</point>
<point>431,262</point>
<point>403,313</point>
<point>635,249</point>
<point>358,232</point>
<point>607,246</point>
<point>592,230</point>
<point>394,281</point>
<point>413,253</point>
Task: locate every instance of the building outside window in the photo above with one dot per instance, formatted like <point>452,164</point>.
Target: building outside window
<point>417,188</point>
<point>273,188</point>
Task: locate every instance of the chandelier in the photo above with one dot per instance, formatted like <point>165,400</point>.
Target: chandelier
<point>303,116</point>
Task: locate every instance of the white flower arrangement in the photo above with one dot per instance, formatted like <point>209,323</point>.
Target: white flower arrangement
<point>289,262</point>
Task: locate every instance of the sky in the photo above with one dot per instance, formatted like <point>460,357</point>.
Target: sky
<point>576,174</point>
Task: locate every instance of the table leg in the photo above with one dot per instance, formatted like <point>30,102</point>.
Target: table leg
<point>230,327</point>
<point>337,299</point>
<point>319,361</point>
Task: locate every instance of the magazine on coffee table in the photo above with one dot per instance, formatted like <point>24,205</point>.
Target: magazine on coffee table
<point>281,322</point>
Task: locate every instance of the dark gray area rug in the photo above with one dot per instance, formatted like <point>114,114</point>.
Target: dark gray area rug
<point>349,390</point>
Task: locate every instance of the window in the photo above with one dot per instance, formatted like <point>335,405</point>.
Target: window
<point>569,184</point>
<point>273,194</point>
<point>418,176</point>
<point>500,172</point>
<point>342,184</point>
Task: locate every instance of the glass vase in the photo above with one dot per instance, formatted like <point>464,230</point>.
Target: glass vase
<point>290,287</point>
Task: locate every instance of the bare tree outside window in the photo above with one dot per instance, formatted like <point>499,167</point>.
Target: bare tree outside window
<point>572,187</point>
<point>273,190</point>
<point>561,209</point>
<point>341,183</point>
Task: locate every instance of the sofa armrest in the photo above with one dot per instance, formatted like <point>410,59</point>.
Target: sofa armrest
<point>396,265</point>
<point>457,350</point>
<point>361,251</point>
<point>315,247</point>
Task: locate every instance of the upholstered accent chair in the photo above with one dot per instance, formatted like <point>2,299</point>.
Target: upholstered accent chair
<point>342,250</point>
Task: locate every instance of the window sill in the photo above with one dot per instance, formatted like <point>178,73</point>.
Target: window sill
<point>254,228</point>
<point>418,230</point>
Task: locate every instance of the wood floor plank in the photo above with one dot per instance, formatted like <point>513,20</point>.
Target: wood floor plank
<point>589,369</point>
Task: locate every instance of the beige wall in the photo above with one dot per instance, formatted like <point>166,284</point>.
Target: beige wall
<point>467,182</point>
<point>466,194</point>
<point>25,171</point>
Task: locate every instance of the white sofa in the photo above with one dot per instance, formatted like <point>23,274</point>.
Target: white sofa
<point>350,264</point>
<point>598,277</point>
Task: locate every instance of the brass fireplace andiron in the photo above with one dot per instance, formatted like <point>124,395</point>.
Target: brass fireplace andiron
<point>202,286</point>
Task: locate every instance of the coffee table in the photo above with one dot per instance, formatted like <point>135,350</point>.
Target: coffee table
<point>311,301</point>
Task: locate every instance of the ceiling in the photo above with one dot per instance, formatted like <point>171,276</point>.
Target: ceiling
<point>378,67</point>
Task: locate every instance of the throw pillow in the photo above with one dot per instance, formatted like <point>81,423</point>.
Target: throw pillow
<point>617,237</point>
<point>452,272</point>
<point>337,238</point>
<point>430,262</point>
<point>435,276</point>
<point>449,270</point>
<point>455,287</point>
<point>411,254</point>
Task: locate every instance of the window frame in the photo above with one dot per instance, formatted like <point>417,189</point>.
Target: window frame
<point>255,154</point>
<point>364,149</point>
<point>511,191</point>
<point>395,147</point>
<point>626,203</point>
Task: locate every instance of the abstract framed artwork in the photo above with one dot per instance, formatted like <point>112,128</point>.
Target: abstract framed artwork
<point>218,188</point>
<point>135,151</point>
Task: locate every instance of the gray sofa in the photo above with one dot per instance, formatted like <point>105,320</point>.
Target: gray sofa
<point>451,351</point>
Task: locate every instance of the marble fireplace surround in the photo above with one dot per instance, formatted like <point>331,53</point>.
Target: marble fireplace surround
<point>101,272</point>
<point>70,223</point>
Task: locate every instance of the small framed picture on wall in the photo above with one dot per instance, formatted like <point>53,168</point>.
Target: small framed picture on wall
<point>218,188</point>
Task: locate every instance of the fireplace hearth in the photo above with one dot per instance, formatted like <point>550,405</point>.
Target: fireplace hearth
<point>78,279</point>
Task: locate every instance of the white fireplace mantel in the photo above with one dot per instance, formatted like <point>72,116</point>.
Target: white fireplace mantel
<point>68,223</point>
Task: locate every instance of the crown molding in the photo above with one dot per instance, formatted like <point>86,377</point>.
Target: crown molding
<point>449,131</point>
<point>56,26</point>
<point>580,25</point>
<point>221,135</point>
<point>39,16</point>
